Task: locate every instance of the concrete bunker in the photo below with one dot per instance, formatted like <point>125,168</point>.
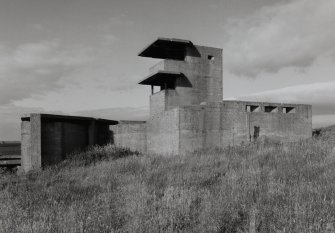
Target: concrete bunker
<point>47,139</point>
<point>188,112</point>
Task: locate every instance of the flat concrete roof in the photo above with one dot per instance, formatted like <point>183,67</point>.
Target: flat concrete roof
<point>69,118</point>
<point>161,77</point>
<point>167,48</point>
<point>265,103</point>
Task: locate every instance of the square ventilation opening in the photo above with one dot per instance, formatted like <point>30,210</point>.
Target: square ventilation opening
<point>270,109</point>
<point>252,108</point>
<point>210,57</point>
<point>288,110</point>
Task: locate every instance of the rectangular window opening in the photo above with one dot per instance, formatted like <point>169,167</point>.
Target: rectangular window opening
<point>270,109</point>
<point>288,110</point>
<point>252,108</point>
<point>210,57</point>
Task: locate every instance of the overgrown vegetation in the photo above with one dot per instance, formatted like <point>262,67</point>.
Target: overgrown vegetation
<point>268,187</point>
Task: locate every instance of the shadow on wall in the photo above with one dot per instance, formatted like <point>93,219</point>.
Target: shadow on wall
<point>193,52</point>
<point>183,81</point>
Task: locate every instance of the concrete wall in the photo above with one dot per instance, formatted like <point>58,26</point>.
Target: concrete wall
<point>59,139</point>
<point>189,128</point>
<point>228,123</point>
<point>239,125</point>
<point>158,102</point>
<point>48,139</point>
<point>163,100</point>
<point>163,133</point>
<point>26,145</point>
<point>200,127</point>
<point>130,134</point>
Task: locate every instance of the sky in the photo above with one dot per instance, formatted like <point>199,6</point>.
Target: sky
<point>79,57</point>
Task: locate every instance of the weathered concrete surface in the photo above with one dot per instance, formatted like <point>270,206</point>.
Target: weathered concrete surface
<point>217,125</point>
<point>35,136</point>
<point>130,134</point>
<point>200,127</point>
<point>158,102</point>
<point>48,139</point>
<point>229,123</point>
<point>202,82</point>
<point>239,125</point>
<point>163,100</point>
<point>26,145</point>
<point>163,133</point>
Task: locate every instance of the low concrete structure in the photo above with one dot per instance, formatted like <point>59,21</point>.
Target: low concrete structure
<point>188,113</point>
<point>47,139</point>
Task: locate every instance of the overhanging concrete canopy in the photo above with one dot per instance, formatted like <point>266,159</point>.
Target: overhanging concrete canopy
<point>162,78</point>
<point>165,48</point>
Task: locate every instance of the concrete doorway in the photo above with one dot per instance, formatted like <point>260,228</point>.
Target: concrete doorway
<point>256,132</point>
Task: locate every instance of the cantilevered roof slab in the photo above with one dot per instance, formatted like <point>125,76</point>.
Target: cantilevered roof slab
<point>162,78</point>
<point>165,48</point>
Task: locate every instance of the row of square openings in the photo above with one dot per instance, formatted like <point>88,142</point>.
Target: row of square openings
<point>255,108</point>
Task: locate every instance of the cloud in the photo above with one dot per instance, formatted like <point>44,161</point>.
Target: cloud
<point>10,124</point>
<point>10,121</point>
<point>10,116</point>
<point>125,113</point>
<point>118,20</point>
<point>37,26</point>
<point>289,34</point>
<point>320,95</point>
<point>36,68</point>
<point>323,120</point>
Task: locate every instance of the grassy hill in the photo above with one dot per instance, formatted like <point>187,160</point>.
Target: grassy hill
<point>257,188</point>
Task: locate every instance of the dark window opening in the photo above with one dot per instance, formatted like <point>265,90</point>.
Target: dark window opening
<point>270,109</point>
<point>210,57</point>
<point>256,132</point>
<point>288,110</point>
<point>170,85</point>
<point>252,108</point>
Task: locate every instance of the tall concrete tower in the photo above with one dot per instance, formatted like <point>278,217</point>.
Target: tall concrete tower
<point>188,75</point>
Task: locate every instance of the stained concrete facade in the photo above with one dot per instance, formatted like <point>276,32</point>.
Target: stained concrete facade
<point>47,139</point>
<point>188,112</point>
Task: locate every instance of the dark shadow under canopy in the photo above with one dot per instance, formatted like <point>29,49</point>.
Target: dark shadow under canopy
<point>165,48</point>
<point>167,79</point>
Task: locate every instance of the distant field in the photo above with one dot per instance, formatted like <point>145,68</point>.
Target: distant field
<point>266,187</point>
<point>10,148</point>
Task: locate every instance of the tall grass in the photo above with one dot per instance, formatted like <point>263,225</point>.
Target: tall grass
<point>269,187</point>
